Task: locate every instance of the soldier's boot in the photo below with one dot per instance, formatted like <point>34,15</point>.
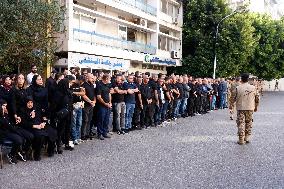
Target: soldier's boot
<point>247,139</point>
<point>241,140</point>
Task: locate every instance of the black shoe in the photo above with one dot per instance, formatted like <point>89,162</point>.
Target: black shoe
<point>106,136</point>
<point>59,150</point>
<point>50,154</point>
<point>101,137</point>
<point>120,132</point>
<point>37,158</point>
<point>21,157</point>
<point>84,138</point>
<point>11,159</point>
<point>69,148</point>
<point>125,130</point>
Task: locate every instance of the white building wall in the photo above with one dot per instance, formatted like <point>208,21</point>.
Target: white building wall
<point>93,31</point>
<point>270,85</point>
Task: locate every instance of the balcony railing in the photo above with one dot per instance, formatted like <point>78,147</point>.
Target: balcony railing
<point>99,39</point>
<point>140,4</point>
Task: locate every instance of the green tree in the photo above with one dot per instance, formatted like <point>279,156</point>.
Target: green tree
<point>268,60</point>
<point>236,45</point>
<point>247,42</point>
<point>27,31</point>
<point>200,20</point>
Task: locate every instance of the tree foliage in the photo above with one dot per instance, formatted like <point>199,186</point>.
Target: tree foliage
<point>246,42</point>
<point>27,32</point>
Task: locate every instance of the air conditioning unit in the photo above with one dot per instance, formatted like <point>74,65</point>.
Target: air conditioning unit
<point>175,54</point>
<point>175,20</point>
<point>143,22</point>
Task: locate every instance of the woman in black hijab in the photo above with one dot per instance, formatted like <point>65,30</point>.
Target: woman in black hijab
<point>33,121</point>
<point>6,93</point>
<point>63,110</point>
<point>39,94</point>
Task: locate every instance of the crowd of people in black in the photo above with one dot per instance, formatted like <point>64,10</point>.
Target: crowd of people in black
<point>72,107</point>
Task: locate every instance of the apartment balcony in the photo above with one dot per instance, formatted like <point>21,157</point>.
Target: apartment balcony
<point>104,40</point>
<point>141,5</point>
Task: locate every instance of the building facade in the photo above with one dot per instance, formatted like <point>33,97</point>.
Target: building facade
<point>124,35</point>
<point>271,7</point>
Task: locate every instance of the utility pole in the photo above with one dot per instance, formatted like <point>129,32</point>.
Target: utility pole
<point>215,42</point>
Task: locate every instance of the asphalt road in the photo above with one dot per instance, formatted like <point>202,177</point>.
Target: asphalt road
<point>198,152</point>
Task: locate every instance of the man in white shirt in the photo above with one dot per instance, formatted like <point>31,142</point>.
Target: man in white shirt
<point>31,75</point>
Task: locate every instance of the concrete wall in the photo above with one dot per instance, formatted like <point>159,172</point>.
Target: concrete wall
<point>270,85</point>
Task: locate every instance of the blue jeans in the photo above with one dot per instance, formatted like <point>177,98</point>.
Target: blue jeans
<point>213,103</point>
<point>223,99</point>
<point>176,107</point>
<point>76,123</point>
<point>103,120</point>
<point>129,114</point>
<point>183,104</point>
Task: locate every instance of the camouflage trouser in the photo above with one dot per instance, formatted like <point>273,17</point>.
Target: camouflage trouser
<point>244,122</point>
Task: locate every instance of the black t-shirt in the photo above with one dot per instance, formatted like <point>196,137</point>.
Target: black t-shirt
<point>174,86</point>
<point>104,91</point>
<point>90,90</point>
<point>76,88</point>
<point>146,92</point>
<point>181,90</point>
<point>154,87</point>
<point>129,98</point>
<point>166,89</point>
<point>117,98</point>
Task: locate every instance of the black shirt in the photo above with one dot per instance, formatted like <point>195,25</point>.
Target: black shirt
<point>104,91</point>
<point>181,90</point>
<point>174,86</point>
<point>116,97</point>
<point>76,88</point>
<point>130,98</point>
<point>146,92</point>
<point>166,89</point>
<point>90,90</point>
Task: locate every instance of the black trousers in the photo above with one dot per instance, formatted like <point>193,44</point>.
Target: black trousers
<point>17,142</point>
<point>49,134</point>
<point>64,130</point>
<point>136,116</point>
<point>147,115</point>
<point>191,105</point>
<point>27,136</point>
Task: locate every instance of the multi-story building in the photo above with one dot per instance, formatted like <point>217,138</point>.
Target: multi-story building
<point>271,7</point>
<point>125,35</point>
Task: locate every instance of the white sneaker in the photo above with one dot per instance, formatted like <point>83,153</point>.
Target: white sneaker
<point>76,142</point>
<point>71,144</point>
<point>80,141</point>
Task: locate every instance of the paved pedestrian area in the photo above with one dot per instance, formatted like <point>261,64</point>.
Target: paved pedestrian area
<point>198,152</point>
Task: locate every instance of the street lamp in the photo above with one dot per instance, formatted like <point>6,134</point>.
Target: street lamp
<point>216,35</point>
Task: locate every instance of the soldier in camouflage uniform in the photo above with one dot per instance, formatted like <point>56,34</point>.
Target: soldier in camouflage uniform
<point>246,99</point>
<point>233,87</point>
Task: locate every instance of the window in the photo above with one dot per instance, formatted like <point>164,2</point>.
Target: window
<point>122,32</point>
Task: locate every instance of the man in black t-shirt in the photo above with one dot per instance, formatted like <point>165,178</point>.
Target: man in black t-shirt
<point>176,99</point>
<point>119,107</point>
<point>104,107</point>
<point>147,100</point>
<point>90,101</point>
